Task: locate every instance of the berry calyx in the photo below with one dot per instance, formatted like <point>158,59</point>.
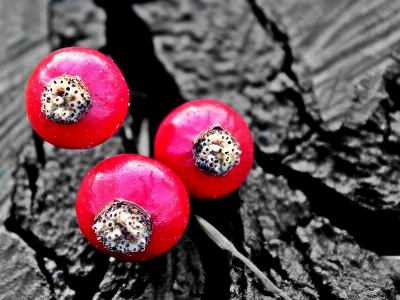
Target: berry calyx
<point>132,207</point>
<point>216,151</point>
<point>123,226</point>
<point>76,98</point>
<point>197,138</point>
<point>65,99</point>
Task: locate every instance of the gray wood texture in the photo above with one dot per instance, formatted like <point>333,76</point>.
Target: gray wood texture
<point>23,42</point>
<point>318,84</point>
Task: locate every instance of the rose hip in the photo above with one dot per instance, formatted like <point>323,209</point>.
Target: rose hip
<point>132,207</point>
<point>208,145</point>
<point>76,98</point>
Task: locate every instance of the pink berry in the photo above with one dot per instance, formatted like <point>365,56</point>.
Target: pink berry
<point>208,145</point>
<point>132,207</point>
<point>76,98</point>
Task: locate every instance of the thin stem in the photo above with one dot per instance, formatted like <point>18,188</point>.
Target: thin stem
<point>225,244</point>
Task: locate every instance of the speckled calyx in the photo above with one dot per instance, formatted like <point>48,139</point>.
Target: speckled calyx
<point>123,226</point>
<point>216,151</point>
<point>65,99</point>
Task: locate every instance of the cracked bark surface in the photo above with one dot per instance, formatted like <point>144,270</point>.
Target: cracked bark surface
<point>318,213</point>
<point>20,276</point>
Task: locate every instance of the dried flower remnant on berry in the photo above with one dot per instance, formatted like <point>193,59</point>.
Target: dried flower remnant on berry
<point>123,226</point>
<point>65,99</point>
<point>216,151</point>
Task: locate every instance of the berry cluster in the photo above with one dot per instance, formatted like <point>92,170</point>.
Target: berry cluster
<point>130,206</point>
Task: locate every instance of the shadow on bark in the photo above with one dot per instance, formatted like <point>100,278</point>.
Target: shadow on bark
<point>154,92</point>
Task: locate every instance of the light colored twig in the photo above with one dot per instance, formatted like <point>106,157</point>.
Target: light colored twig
<point>225,244</point>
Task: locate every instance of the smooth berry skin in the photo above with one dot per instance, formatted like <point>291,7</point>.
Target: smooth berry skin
<point>141,180</point>
<point>174,141</point>
<point>108,89</point>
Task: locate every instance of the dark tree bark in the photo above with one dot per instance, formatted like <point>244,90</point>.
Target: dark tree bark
<point>318,84</point>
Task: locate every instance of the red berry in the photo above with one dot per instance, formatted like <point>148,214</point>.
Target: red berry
<point>76,98</point>
<point>132,207</point>
<point>208,145</point>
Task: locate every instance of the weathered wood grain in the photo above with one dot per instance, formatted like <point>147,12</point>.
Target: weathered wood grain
<point>348,55</point>
<point>23,42</point>
<point>317,82</point>
<point>20,276</point>
<point>353,178</point>
<point>340,46</point>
